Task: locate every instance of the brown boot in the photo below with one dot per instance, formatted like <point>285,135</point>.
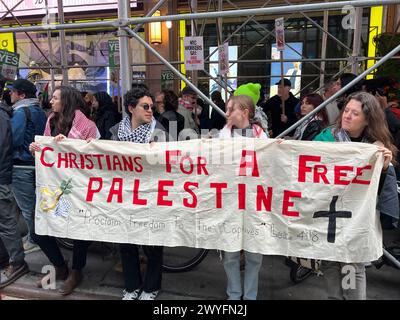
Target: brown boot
<point>61,274</point>
<point>74,279</point>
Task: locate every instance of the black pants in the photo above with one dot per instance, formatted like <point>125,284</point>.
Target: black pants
<point>131,267</point>
<point>50,248</point>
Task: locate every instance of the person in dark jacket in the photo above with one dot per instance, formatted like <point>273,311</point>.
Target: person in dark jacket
<point>218,121</point>
<point>311,127</point>
<point>139,126</point>
<point>170,119</point>
<point>28,120</point>
<point>12,257</point>
<point>106,114</point>
<point>281,119</point>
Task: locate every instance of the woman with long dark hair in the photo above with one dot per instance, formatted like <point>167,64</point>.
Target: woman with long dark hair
<point>361,120</point>
<point>313,125</point>
<point>68,119</point>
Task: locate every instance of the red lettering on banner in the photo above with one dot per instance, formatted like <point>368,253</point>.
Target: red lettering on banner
<point>139,167</point>
<point>320,174</point>
<point>287,194</point>
<point>186,187</point>
<point>169,161</point>
<point>136,199</point>
<point>242,196</point>
<point>218,194</point>
<point>88,158</point>
<point>91,191</point>
<point>72,161</point>
<point>266,200</point>
<point>191,166</point>
<point>201,165</point>
<point>61,160</point>
<point>116,190</point>
<point>162,193</point>
<point>42,161</point>
<point>360,173</point>
<point>340,173</point>
<point>98,157</point>
<point>252,164</point>
<point>303,169</point>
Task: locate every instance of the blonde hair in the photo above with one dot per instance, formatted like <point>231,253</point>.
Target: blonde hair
<point>246,103</point>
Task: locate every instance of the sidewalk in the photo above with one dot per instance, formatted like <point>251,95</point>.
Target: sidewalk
<point>206,282</point>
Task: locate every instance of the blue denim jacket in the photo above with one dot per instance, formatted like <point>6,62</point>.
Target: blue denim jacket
<point>24,131</point>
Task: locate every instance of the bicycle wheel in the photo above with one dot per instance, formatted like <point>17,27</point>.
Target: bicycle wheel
<point>182,259</point>
<point>299,273</point>
<point>65,243</point>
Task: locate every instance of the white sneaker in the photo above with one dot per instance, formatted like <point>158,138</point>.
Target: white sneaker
<point>30,247</point>
<point>134,295</point>
<point>148,295</point>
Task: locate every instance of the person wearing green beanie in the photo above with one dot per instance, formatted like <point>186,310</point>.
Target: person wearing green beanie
<point>251,90</point>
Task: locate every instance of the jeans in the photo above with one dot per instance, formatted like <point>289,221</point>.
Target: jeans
<point>232,269</point>
<point>49,246</point>
<point>336,281</point>
<point>10,238</point>
<point>131,267</point>
<point>23,186</point>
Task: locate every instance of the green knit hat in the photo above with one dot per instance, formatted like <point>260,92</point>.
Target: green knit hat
<point>251,90</point>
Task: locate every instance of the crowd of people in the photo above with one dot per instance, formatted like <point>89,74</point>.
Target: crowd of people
<point>357,116</point>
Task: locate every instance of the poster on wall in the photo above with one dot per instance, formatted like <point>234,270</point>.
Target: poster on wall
<point>89,53</point>
<point>291,70</point>
<point>231,73</point>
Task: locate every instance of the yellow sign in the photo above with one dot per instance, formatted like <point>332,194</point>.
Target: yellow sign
<point>7,41</point>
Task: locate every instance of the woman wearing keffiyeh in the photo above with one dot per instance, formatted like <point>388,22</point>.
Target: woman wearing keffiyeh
<point>139,126</point>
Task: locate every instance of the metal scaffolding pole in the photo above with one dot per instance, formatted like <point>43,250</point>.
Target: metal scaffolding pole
<point>50,50</point>
<point>175,71</point>
<point>340,92</point>
<point>64,62</point>
<point>280,10</point>
<point>125,69</point>
<point>356,40</point>
<point>269,33</point>
<point>323,48</point>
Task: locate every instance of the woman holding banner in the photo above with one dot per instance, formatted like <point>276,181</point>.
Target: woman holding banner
<point>240,122</point>
<point>361,120</point>
<point>67,120</point>
<point>139,126</point>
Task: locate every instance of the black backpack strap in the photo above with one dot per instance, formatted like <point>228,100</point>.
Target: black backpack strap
<point>27,114</point>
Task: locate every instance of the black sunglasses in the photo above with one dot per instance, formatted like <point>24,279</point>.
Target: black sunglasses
<point>146,107</point>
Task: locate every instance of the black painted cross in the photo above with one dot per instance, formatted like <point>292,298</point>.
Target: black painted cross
<point>332,214</point>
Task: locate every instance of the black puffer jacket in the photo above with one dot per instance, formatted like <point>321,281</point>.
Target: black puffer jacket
<point>107,115</point>
<point>6,150</point>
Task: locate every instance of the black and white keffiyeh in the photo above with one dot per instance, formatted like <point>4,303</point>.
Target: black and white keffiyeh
<point>141,134</point>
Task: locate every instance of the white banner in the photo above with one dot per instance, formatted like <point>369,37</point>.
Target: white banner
<point>296,198</point>
<point>194,53</point>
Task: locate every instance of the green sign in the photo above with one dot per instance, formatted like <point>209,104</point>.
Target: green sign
<point>167,79</point>
<point>113,53</point>
<point>167,75</point>
<point>9,62</point>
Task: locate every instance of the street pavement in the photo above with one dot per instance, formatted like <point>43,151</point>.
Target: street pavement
<point>206,282</point>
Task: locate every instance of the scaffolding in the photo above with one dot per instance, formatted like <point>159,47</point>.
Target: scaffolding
<point>124,21</point>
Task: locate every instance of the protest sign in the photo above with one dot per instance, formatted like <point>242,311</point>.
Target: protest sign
<point>294,198</point>
<point>194,53</point>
